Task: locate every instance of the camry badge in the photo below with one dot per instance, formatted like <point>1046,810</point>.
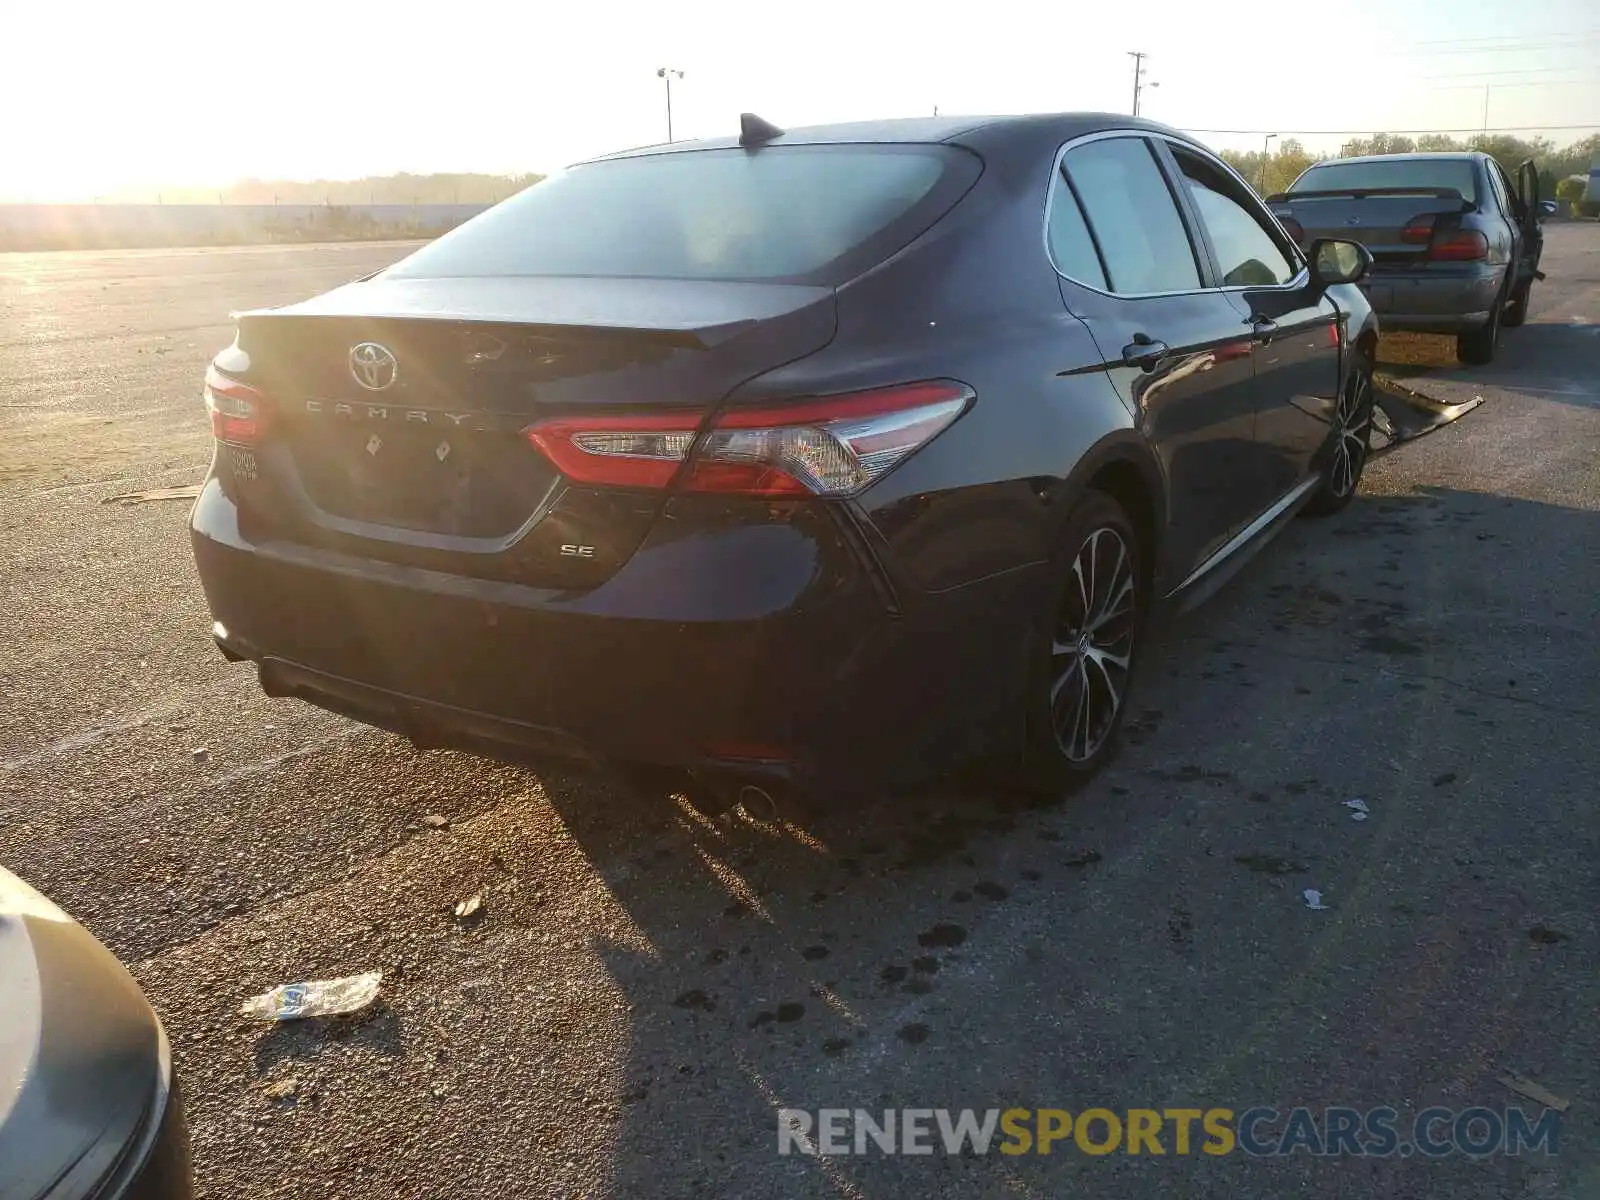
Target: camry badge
<point>373,366</point>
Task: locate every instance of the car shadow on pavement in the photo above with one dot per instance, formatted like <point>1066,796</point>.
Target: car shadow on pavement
<point>834,961</point>
<point>766,961</point>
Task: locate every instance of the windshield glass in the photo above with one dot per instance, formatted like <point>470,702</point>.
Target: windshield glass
<point>1454,173</point>
<point>780,213</point>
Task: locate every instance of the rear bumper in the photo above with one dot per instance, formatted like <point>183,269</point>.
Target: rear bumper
<point>1464,322</point>
<point>760,649</point>
<point>1434,301</point>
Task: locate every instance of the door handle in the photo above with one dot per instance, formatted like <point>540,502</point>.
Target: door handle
<point>1262,330</point>
<point>1144,352</point>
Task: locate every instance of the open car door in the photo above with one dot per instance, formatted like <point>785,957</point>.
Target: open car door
<point>1532,227</point>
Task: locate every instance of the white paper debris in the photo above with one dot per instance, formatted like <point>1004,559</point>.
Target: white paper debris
<point>1314,900</point>
<point>315,998</point>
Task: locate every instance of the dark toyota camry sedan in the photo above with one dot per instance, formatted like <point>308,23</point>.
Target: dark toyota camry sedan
<point>799,458</point>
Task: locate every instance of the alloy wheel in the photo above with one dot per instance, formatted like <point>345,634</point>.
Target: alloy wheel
<point>1092,650</point>
<point>1354,421</point>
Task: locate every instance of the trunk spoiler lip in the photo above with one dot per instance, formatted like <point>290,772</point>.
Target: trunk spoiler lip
<point>1364,193</point>
<point>702,331</point>
<point>704,338</point>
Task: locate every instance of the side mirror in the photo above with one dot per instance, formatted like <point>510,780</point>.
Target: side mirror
<point>1336,261</point>
<point>1548,208</point>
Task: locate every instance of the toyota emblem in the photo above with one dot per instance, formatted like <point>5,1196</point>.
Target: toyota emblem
<point>373,366</point>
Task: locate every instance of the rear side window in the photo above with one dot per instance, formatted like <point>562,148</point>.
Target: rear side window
<point>1510,204</point>
<point>1141,236</point>
<point>1454,173</point>
<point>792,213</point>
<point>1071,246</point>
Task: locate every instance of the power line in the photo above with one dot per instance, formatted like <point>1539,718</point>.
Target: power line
<point>1513,71</point>
<point>1456,87</point>
<point>1507,48</point>
<point>1516,47</point>
<point>1502,37</point>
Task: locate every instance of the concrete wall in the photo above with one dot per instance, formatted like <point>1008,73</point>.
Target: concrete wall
<point>65,226</point>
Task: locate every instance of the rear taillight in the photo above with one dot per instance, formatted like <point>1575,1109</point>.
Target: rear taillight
<point>1418,230</point>
<point>238,411</point>
<point>642,451</point>
<point>1459,245</point>
<point>1444,245</point>
<point>832,446</point>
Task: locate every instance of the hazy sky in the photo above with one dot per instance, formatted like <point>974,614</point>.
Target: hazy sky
<point>96,97</point>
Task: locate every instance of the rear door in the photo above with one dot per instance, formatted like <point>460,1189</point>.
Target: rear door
<point>1506,212</point>
<point>1174,345</point>
<point>1293,325</point>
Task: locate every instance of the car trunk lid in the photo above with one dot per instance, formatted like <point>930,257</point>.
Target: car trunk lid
<point>1395,224</point>
<point>397,408</point>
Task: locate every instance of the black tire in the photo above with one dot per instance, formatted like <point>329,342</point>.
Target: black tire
<point>1352,443</point>
<point>1088,639</point>
<point>1517,310</point>
<point>1477,347</point>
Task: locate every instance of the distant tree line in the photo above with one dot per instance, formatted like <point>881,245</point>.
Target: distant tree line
<point>318,223</point>
<point>404,188</point>
<point>1276,171</point>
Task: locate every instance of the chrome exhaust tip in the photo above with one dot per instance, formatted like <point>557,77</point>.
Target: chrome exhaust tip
<point>757,803</point>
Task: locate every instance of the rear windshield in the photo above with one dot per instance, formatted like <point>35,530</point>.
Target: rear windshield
<point>1454,173</point>
<point>815,214</point>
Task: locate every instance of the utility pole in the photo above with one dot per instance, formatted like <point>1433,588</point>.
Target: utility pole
<point>667,74</point>
<point>1138,57</point>
<point>1486,88</point>
<point>1262,186</point>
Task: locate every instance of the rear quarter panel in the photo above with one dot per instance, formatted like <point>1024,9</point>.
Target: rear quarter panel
<point>974,299</point>
<point>1497,226</point>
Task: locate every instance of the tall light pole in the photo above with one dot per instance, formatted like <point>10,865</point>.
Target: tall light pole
<point>1486,88</point>
<point>667,74</point>
<point>1138,57</point>
<point>1262,186</point>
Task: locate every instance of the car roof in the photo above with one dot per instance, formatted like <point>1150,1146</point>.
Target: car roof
<point>977,132</point>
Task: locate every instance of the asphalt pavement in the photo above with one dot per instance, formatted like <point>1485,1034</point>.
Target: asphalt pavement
<point>644,989</point>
